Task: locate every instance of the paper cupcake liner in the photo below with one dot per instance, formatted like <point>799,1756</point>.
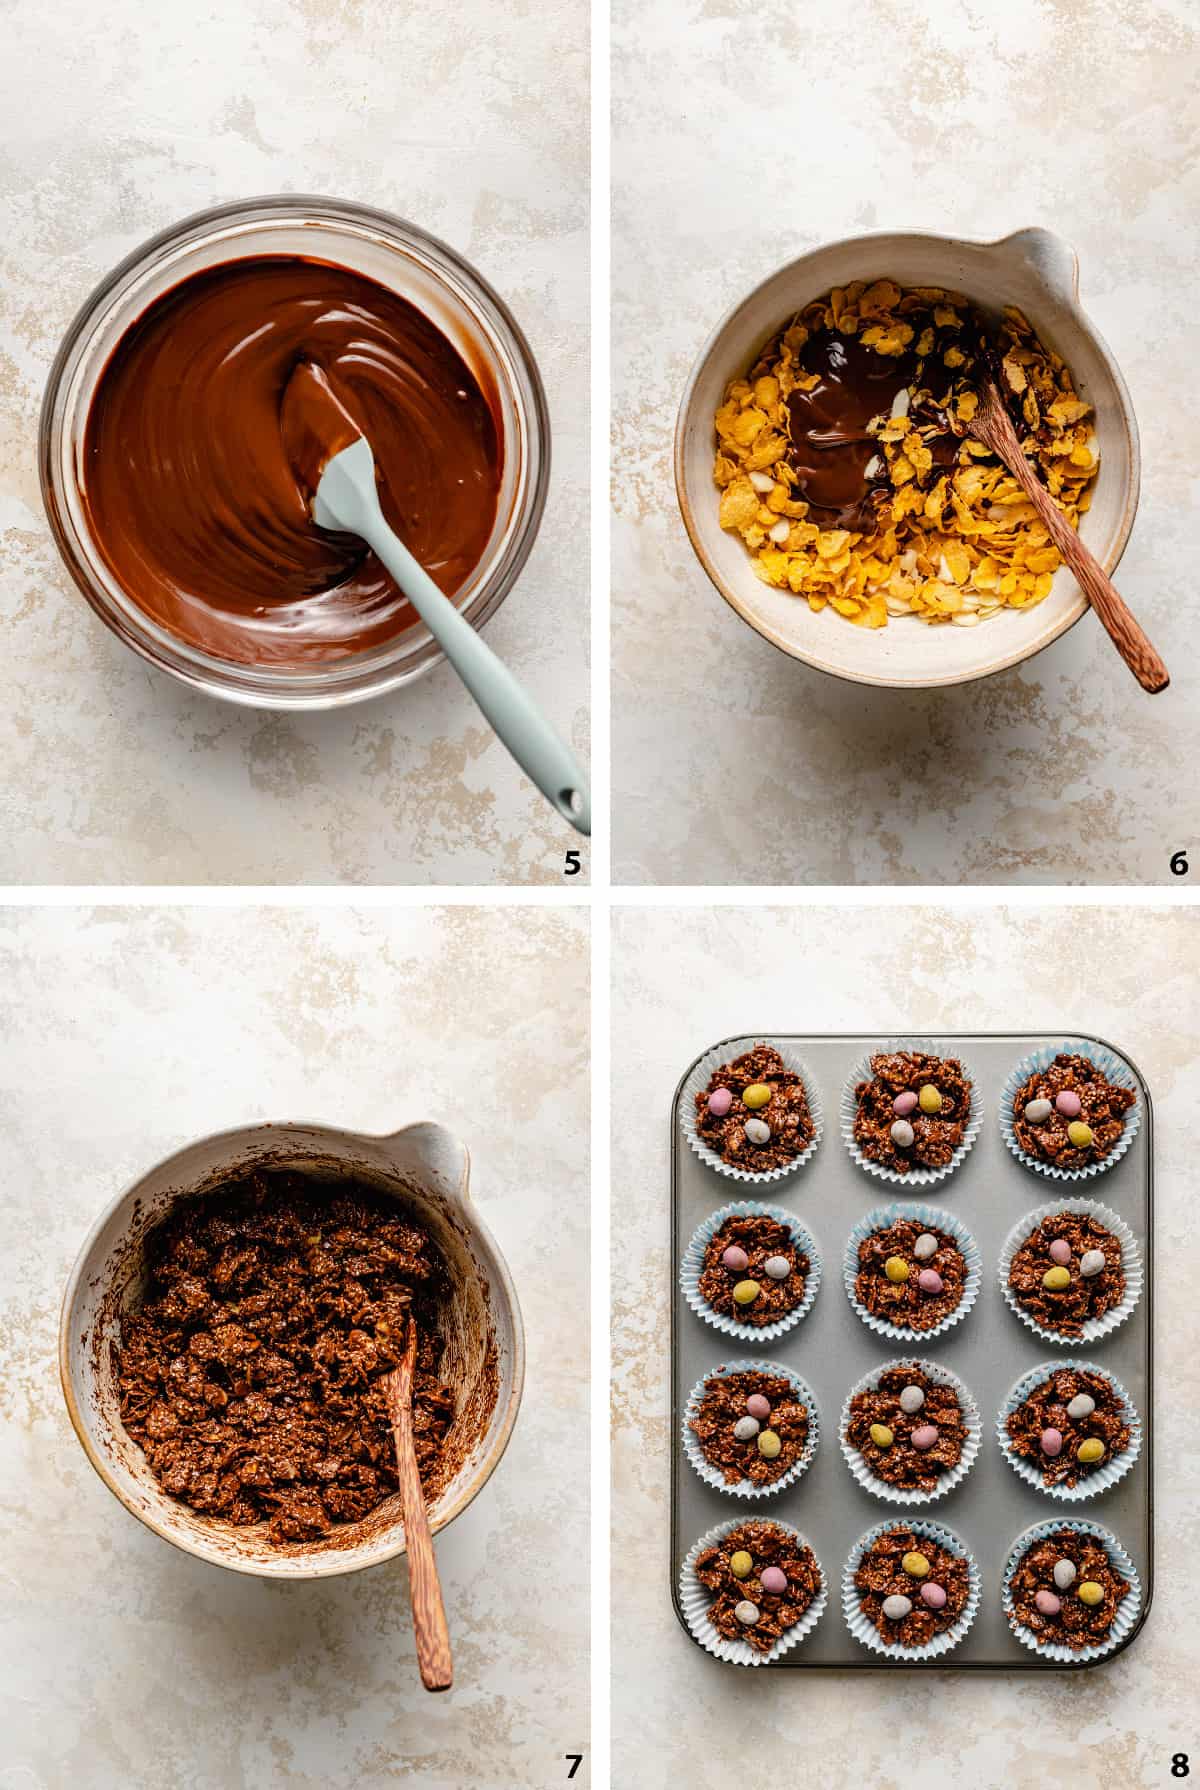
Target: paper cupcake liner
<point>916,1177</point>
<point>892,1494</point>
<point>1094,1483</point>
<point>748,1488</point>
<point>698,1080</point>
<point>1110,1065</point>
<point>693,1264</point>
<point>695,1602</point>
<point>935,1218</point>
<point>861,1626</point>
<point>1131,1262</point>
<point>1128,1610</point>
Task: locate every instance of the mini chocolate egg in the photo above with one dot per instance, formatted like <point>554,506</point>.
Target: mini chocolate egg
<point>881,1435</point>
<point>925,1246</point>
<point>902,1134</point>
<point>719,1102</point>
<point>1064,1574</point>
<point>773,1579</point>
<point>758,1406</point>
<point>1081,1406</point>
<point>930,1281</point>
<point>758,1131</point>
<point>896,1608</point>
<point>1068,1103</point>
<point>740,1564</point>
<point>1048,1603</point>
<point>896,1269</point>
<point>769,1445</point>
<point>1089,1452</point>
<point>1037,1111</point>
<point>915,1565</point>
<point>904,1104</point>
<point>746,1613</point>
<point>756,1095</point>
<point>933,1596</point>
<point>929,1100</point>
<point>1060,1252</point>
<point>735,1259</point>
<point>746,1292</point>
<point>1091,1593</point>
<point>1055,1279</point>
<point>1079,1134</point>
<point>777,1267</point>
<point>746,1428</point>
<point>1091,1263</point>
<point>925,1436</point>
<point>1051,1442</point>
<point>911,1399</point>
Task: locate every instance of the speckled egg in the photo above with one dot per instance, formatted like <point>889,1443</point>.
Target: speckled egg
<point>756,1095</point>
<point>1064,1574</point>
<point>1081,1406</point>
<point>735,1259</point>
<point>746,1428</point>
<point>777,1267</point>
<point>1060,1252</point>
<point>925,1246</point>
<point>925,1436</point>
<point>740,1564</point>
<point>911,1399</point>
<point>773,1579</point>
<point>719,1102</point>
<point>929,1100</point>
<point>1052,1442</point>
<point>758,1131</point>
<point>758,1406</point>
<point>1037,1111</point>
<point>1091,1263</point>
<point>1068,1103</point>
<point>904,1104</point>
<point>933,1596</point>
<point>902,1134</point>
<point>896,1608</point>
<point>896,1269</point>
<point>930,1281</point>
<point>1048,1603</point>
<point>746,1613</point>
<point>746,1292</point>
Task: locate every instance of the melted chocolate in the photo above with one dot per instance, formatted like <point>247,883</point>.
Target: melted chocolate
<point>195,503</point>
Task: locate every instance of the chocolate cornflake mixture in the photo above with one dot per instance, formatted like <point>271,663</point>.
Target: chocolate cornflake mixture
<point>881,1575</point>
<point>768,1546</point>
<point>724,1405</point>
<point>1103,1106</point>
<point>761,1239</point>
<point>1075,1624</point>
<point>1046,1409</point>
<point>901,1075</point>
<point>901,1462</point>
<point>250,1376</point>
<point>785,1114</point>
<point>905,1303</point>
<point>1066,1310</point>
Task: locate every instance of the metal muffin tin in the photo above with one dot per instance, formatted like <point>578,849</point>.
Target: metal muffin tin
<point>991,1349</point>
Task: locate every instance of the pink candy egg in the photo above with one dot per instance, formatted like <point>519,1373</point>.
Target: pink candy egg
<point>933,1596</point>
<point>1060,1251</point>
<point>1047,1603</point>
<point>758,1406</point>
<point>929,1280</point>
<point>774,1580</point>
<point>719,1102</point>
<point>925,1437</point>
<point>1052,1442</point>
<point>904,1104</point>
<point>735,1259</point>
<point>1068,1104</point>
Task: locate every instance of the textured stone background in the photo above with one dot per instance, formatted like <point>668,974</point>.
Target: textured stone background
<point>126,1663</point>
<point>123,118</point>
<point>684,978</point>
<point>746,133</point>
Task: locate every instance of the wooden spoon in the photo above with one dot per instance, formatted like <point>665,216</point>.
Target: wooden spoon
<point>428,1610</point>
<point>992,425</point>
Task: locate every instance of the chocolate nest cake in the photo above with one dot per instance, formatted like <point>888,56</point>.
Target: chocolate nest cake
<point>753,1271</point>
<point>913,1112</point>
<point>1067,1272</point>
<point>1069,1114</point>
<point>911,1588</point>
<point>762,1581</point>
<point>909,1429</point>
<point>909,1276</point>
<point>754,1112</point>
<point>751,1426</point>
<point>1065,1590</point>
<point>1070,1425</point>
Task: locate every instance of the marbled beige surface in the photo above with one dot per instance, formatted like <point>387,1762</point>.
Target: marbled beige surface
<point>121,119</point>
<point>126,1033</point>
<point>682,979</point>
<point>748,133</point>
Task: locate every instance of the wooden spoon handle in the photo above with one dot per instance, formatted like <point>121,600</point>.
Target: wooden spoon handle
<point>1124,629</point>
<point>425,1588</point>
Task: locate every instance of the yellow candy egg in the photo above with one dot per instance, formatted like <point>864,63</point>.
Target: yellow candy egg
<point>756,1095</point>
<point>1091,1593</point>
<point>929,1100</point>
<point>745,1292</point>
<point>1079,1134</point>
<point>1054,1279</point>
<point>915,1565</point>
<point>896,1269</point>
<point>741,1565</point>
<point>769,1444</point>
<point>1089,1451</point>
<point>881,1435</point>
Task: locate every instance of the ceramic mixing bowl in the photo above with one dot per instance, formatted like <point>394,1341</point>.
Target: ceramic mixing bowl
<point>425,1169</point>
<point>1033,270</point>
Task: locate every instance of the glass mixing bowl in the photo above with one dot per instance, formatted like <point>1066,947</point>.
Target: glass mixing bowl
<point>399,256</point>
